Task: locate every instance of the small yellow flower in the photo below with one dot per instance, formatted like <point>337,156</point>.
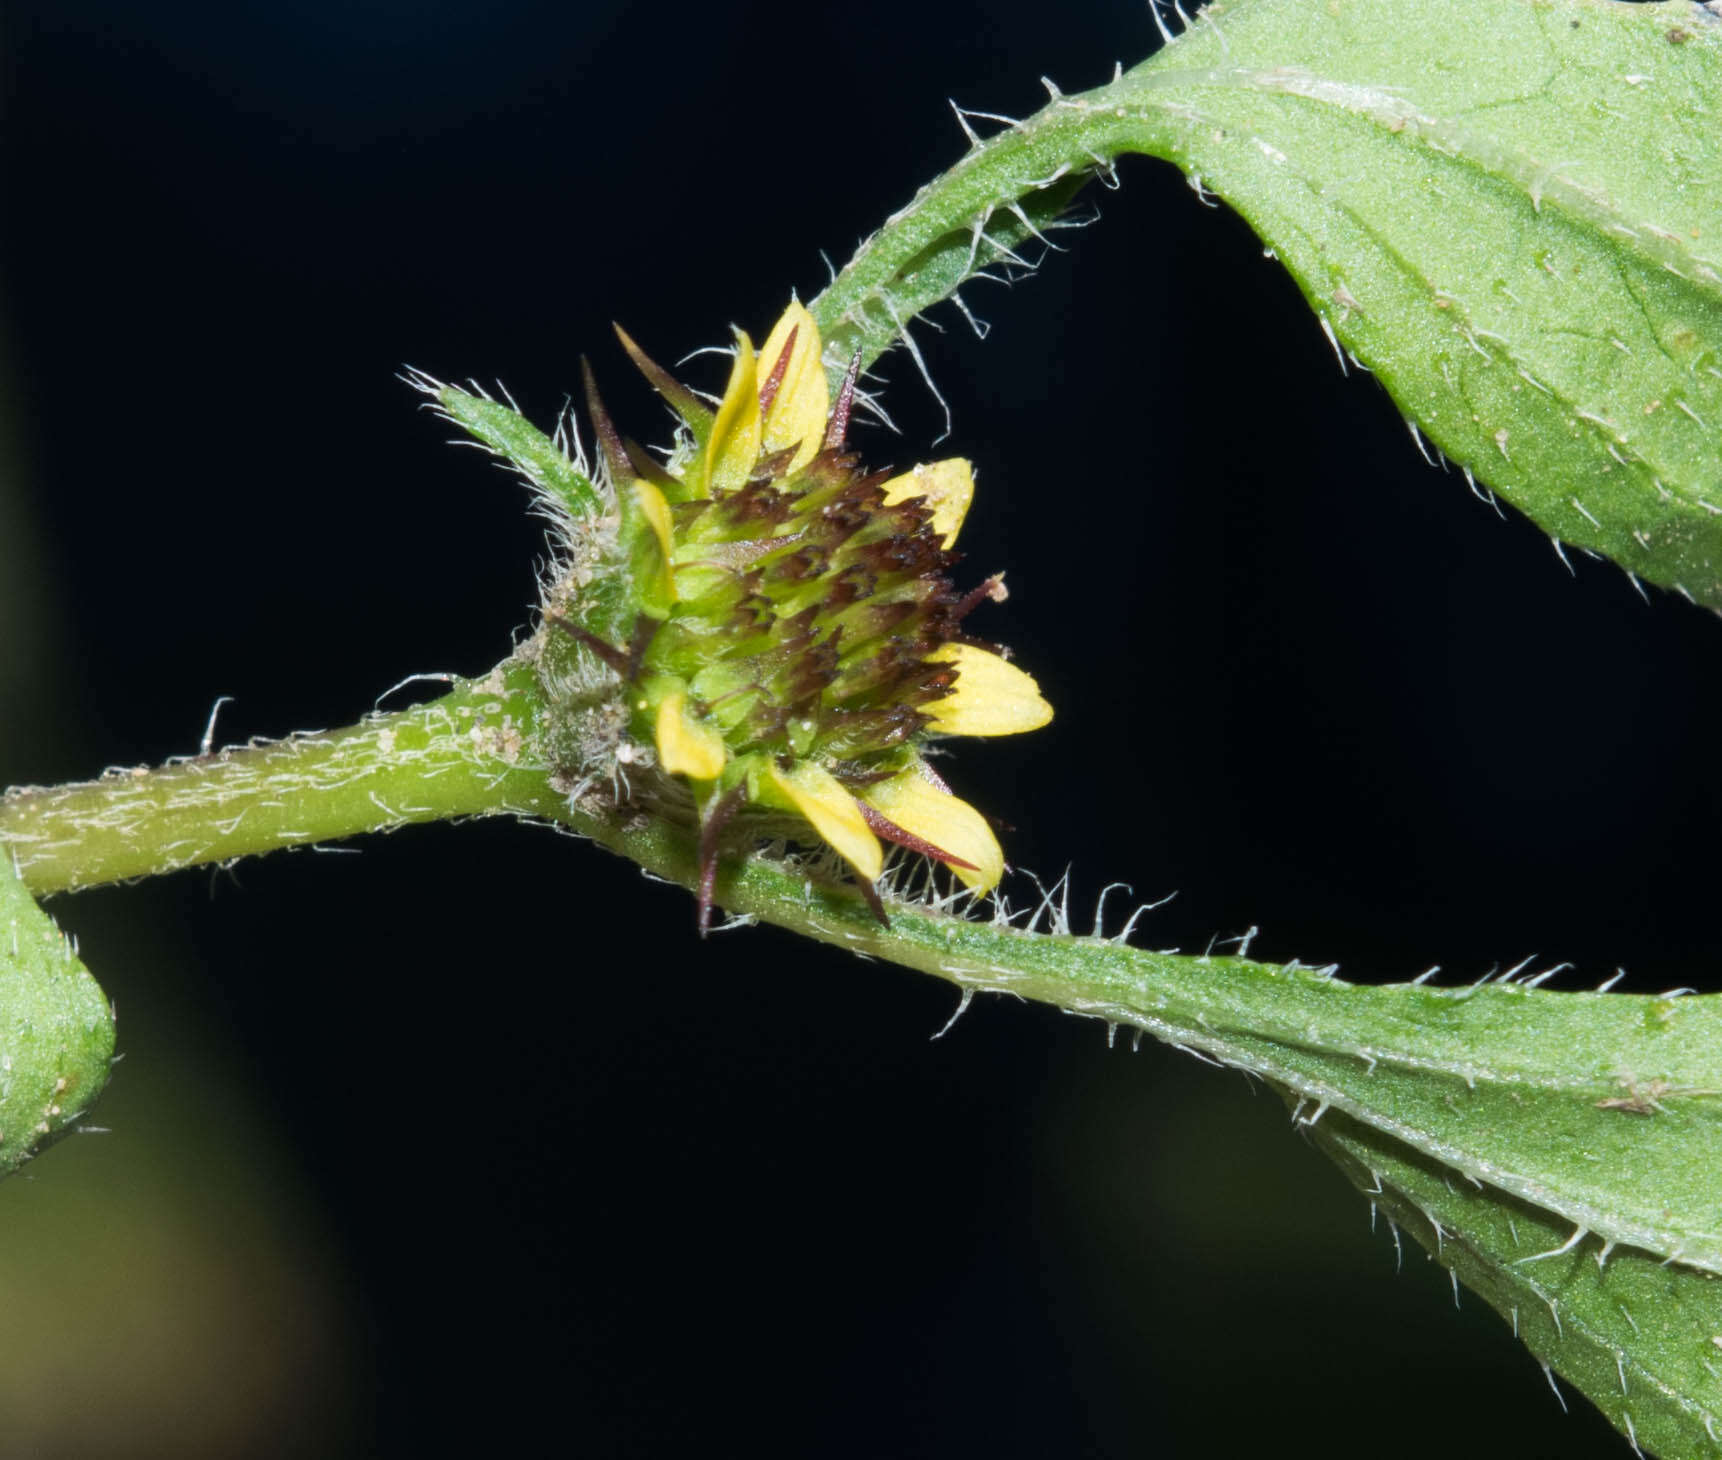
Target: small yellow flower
<point>800,639</point>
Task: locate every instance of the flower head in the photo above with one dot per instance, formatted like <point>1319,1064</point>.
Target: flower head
<point>799,642</point>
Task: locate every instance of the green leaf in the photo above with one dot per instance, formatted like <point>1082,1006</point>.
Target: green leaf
<point>1512,213</point>
<point>56,1029</point>
<point>1509,210</point>
<point>1603,1109</point>
<point>1560,1150</point>
<point>561,482</point>
<point>601,572</point>
<point>1545,1132</point>
<point>1642,1338</point>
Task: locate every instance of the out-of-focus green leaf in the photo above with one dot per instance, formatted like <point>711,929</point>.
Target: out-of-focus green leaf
<point>56,1029</point>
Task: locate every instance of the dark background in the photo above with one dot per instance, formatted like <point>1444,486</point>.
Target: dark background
<point>466,1139</point>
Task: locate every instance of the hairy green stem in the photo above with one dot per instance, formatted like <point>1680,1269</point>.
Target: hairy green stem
<point>455,757</point>
<point>1601,1111</point>
<point>1368,1051</point>
<point>999,199</point>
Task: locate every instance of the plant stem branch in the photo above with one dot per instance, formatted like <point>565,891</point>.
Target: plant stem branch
<point>460,755</point>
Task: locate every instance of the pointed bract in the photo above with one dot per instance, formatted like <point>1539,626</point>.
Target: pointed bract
<point>837,430</point>
<point>609,441</point>
<point>694,411</point>
<point>715,815</point>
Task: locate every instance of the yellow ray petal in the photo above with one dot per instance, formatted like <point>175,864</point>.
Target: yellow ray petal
<point>949,823</point>
<point>948,486</point>
<point>656,580</point>
<point>819,796</point>
<point>991,697</point>
<point>687,746</point>
<point>656,511</point>
<point>803,400</point>
<point>734,444</point>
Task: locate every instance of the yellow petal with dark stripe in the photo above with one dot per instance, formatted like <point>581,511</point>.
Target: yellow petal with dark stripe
<point>948,822</point>
<point>803,399</point>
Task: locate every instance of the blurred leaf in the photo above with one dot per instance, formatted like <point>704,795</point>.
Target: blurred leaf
<point>26,629</point>
<point>56,1029</point>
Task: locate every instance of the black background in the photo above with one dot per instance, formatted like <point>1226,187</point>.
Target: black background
<point>566,1171</point>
